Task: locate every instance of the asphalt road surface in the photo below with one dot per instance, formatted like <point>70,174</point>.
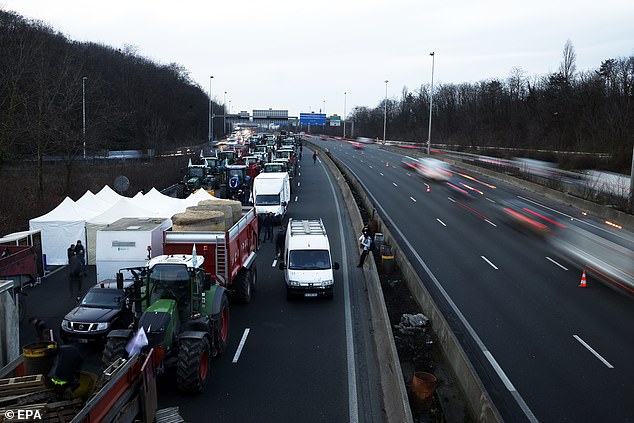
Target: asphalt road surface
<point>308,360</point>
<point>546,349</point>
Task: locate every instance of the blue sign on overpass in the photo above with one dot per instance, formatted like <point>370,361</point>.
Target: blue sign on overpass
<point>318,119</point>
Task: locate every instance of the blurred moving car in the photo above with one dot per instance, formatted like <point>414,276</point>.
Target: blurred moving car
<point>612,260</point>
<point>529,217</point>
<point>357,145</point>
<point>103,308</point>
<point>432,169</point>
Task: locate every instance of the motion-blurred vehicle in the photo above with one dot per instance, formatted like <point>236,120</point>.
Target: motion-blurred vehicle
<point>609,257</point>
<point>357,145</point>
<point>463,188</point>
<point>431,169</point>
<point>528,217</point>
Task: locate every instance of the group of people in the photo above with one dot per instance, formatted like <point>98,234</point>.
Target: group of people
<point>267,222</point>
<point>77,259</point>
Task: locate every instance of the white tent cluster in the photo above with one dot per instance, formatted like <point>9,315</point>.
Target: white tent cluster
<point>80,220</point>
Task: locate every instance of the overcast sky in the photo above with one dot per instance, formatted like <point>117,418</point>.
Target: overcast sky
<point>301,55</point>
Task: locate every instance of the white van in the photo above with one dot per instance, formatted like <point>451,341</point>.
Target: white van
<point>272,193</point>
<point>306,261</point>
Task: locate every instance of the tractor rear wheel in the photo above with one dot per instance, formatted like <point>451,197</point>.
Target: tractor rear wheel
<point>114,350</point>
<point>221,328</point>
<point>193,365</point>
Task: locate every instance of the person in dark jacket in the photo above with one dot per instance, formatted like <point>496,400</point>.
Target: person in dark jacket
<point>70,252</point>
<point>81,253</point>
<point>42,331</point>
<point>280,241</point>
<point>268,227</point>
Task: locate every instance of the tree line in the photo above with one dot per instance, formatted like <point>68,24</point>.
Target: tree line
<point>48,81</point>
<point>590,111</point>
<point>58,95</point>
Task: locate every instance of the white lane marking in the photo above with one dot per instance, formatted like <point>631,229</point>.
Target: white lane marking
<point>499,371</point>
<point>413,199</point>
<point>381,173</point>
<point>274,263</point>
<point>370,166</point>
<point>241,345</point>
<point>554,262</point>
<point>516,395</point>
<point>488,199</point>
<point>488,261</point>
<point>298,183</point>
<point>296,199</point>
<point>596,354</point>
<point>394,183</point>
<point>441,222</point>
<point>490,223</point>
<point>451,199</point>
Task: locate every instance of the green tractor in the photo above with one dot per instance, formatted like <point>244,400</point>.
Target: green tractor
<point>184,316</point>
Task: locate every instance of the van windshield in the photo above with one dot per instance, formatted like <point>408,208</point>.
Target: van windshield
<point>267,200</point>
<point>309,260</point>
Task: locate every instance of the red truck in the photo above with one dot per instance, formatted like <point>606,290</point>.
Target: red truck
<point>229,255</point>
<point>18,262</point>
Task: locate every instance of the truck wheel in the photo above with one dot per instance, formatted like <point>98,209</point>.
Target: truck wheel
<point>193,365</point>
<point>114,350</point>
<point>243,287</point>
<point>221,328</point>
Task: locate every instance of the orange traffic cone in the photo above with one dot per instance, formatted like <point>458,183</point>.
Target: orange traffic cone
<point>583,283</point>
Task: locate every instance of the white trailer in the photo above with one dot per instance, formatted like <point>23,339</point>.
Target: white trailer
<point>125,243</point>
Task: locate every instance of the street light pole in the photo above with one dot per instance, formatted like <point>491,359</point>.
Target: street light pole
<point>385,112</point>
<point>431,102</point>
<point>224,115</point>
<point>83,95</point>
<point>211,122</point>
<point>344,113</point>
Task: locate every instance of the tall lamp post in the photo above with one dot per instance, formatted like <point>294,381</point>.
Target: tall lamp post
<point>431,102</point>
<point>344,113</point>
<point>211,122</point>
<point>83,95</point>
<point>224,115</point>
<point>385,112</point>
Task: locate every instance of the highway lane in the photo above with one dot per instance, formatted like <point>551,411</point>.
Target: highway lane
<point>551,339</point>
<point>306,360</point>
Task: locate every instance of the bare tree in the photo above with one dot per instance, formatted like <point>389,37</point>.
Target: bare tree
<point>568,64</point>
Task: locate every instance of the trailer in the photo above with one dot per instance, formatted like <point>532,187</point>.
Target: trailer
<point>124,392</point>
<point>19,263</point>
<point>229,255</point>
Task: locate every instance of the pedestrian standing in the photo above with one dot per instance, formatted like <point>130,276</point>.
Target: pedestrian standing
<point>268,227</point>
<point>75,277</point>
<point>280,241</point>
<point>81,253</point>
<point>42,331</point>
<point>365,242</point>
<point>70,252</point>
<point>315,157</point>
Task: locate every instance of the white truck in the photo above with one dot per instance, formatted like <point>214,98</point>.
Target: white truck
<point>306,260</point>
<point>272,193</point>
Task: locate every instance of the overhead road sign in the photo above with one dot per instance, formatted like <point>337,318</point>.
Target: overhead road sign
<point>335,120</point>
<point>318,119</point>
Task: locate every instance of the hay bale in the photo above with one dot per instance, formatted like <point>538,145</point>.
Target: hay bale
<point>236,206</point>
<point>226,210</point>
<point>199,221</point>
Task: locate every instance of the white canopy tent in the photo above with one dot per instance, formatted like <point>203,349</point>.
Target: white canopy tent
<point>60,228</point>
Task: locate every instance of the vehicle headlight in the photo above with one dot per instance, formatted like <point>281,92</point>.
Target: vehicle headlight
<point>293,283</point>
<point>328,282</point>
<point>65,324</point>
<point>102,325</point>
